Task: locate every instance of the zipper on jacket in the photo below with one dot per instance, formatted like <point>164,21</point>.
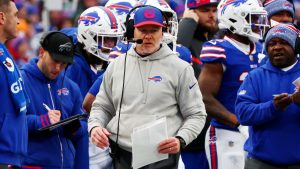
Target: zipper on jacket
<point>60,143</point>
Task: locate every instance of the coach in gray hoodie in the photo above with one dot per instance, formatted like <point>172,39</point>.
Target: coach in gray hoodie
<point>157,84</point>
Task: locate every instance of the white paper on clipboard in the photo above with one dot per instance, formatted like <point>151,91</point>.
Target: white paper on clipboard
<point>145,140</point>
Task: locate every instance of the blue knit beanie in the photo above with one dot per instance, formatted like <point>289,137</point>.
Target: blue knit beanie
<point>286,32</point>
<point>275,6</point>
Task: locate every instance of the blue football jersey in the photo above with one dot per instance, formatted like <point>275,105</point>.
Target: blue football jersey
<point>183,53</point>
<point>237,64</point>
<point>71,32</point>
<point>118,50</point>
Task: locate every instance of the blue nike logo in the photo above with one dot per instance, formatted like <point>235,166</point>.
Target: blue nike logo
<point>190,87</point>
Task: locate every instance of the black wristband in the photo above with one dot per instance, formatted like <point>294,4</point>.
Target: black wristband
<point>182,142</point>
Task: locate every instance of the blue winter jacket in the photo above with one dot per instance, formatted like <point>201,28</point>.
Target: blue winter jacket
<point>81,73</point>
<point>13,125</point>
<point>273,135</point>
<point>54,149</point>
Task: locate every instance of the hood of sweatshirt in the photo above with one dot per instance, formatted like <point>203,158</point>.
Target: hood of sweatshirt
<point>268,66</point>
<point>163,52</point>
<point>144,65</point>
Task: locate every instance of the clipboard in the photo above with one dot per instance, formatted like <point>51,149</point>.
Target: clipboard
<point>64,122</point>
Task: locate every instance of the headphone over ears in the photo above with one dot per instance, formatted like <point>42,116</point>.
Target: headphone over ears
<point>128,35</point>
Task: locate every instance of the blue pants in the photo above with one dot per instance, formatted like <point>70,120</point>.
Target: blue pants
<point>195,160</point>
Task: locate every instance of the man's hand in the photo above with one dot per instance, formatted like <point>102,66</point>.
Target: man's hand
<point>190,13</point>
<point>54,116</point>
<point>296,97</point>
<point>282,101</point>
<point>169,146</point>
<point>100,137</point>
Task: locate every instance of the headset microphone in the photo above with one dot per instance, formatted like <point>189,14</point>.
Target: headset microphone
<point>138,41</point>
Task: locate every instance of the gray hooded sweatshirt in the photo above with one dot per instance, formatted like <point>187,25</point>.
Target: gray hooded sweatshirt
<point>156,86</point>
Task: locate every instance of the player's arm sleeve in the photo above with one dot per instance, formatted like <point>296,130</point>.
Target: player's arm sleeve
<point>72,73</point>
<point>186,29</point>
<point>212,52</point>
<point>249,110</point>
<point>191,106</point>
<point>103,109</point>
<point>96,86</point>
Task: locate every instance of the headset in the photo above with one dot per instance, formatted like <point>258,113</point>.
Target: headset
<point>128,35</point>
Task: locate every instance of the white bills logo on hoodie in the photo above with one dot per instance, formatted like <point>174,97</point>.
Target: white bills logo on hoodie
<point>8,63</point>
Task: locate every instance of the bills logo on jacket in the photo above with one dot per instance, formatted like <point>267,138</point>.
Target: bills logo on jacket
<point>155,78</point>
<point>8,63</point>
<point>63,91</point>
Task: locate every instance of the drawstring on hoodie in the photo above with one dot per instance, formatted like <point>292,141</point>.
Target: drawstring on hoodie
<point>141,76</point>
<point>144,78</point>
<point>59,139</point>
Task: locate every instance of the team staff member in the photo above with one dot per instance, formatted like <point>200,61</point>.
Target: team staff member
<point>227,62</point>
<point>13,126</point>
<point>162,91</point>
<point>272,111</point>
<point>53,97</point>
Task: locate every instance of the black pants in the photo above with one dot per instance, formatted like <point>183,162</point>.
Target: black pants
<point>5,166</point>
<point>123,159</point>
<point>252,163</point>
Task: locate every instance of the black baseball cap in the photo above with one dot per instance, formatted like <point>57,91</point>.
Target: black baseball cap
<point>59,45</point>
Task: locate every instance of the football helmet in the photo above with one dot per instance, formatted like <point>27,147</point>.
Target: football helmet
<point>121,8</point>
<point>99,30</point>
<point>244,17</point>
<point>170,35</point>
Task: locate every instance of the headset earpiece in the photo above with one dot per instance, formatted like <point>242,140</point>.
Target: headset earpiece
<point>130,22</point>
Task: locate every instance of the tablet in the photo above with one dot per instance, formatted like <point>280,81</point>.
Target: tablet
<point>64,122</point>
